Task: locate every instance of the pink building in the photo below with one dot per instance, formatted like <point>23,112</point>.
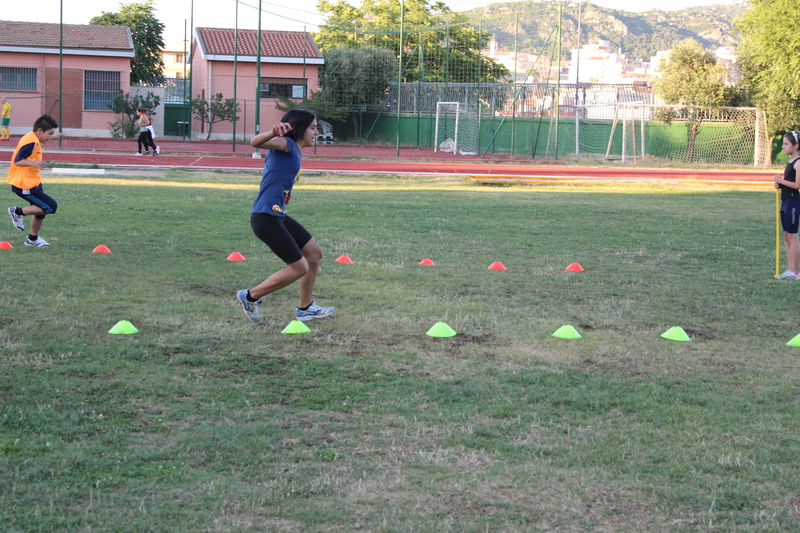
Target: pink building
<point>290,62</point>
<point>95,65</point>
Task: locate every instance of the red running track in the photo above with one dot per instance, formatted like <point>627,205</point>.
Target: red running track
<point>217,155</point>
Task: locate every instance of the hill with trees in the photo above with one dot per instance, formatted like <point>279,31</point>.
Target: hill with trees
<point>639,35</point>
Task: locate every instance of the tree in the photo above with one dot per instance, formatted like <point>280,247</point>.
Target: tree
<point>692,77</point>
<point>126,107</point>
<point>769,60</point>
<point>451,49</point>
<point>215,110</point>
<point>146,66</point>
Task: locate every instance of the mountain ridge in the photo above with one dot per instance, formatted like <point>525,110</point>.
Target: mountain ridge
<point>639,35</point>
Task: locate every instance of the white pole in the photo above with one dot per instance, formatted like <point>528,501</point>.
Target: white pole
<point>756,151</point>
<point>455,148</point>
<point>643,136</point>
<point>436,131</point>
<point>624,130</point>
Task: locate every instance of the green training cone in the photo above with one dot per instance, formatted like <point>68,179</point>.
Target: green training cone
<point>567,332</point>
<point>440,329</point>
<point>123,327</point>
<point>794,342</point>
<point>676,334</point>
<point>295,326</point>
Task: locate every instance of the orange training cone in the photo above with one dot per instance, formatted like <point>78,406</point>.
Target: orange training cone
<point>5,245</point>
<point>236,256</point>
<point>101,249</point>
<point>427,262</point>
<point>344,259</point>
<point>575,267</point>
<point>497,265</point>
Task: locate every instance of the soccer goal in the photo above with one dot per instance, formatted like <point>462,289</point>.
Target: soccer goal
<point>456,128</point>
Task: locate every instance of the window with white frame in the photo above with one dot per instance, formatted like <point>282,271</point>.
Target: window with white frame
<point>286,87</point>
<point>18,79</point>
<point>99,88</point>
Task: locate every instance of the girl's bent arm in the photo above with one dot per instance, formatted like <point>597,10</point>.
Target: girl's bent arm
<point>272,139</point>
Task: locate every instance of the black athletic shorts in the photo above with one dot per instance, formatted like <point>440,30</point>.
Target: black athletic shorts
<point>284,235</point>
<point>37,197</point>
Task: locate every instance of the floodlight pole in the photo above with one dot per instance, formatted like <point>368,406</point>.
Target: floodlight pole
<point>399,74</point>
<point>256,155</point>
<point>235,66</point>
<point>60,72</point>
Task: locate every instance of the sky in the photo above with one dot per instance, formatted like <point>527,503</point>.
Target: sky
<point>276,15</point>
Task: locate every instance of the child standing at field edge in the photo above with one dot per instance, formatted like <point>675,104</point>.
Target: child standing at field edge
<point>26,180</point>
<point>790,204</point>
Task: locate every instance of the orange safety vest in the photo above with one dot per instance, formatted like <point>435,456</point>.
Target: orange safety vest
<point>26,177</point>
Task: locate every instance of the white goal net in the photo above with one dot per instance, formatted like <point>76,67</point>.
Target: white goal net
<point>456,128</point>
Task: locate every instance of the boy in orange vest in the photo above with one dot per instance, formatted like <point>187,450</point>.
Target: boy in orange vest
<point>26,180</point>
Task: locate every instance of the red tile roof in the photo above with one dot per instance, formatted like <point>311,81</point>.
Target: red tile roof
<point>220,41</point>
<point>76,36</point>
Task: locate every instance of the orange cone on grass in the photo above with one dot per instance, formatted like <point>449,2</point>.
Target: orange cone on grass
<point>101,249</point>
<point>236,256</point>
<point>344,259</point>
<point>575,267</point>
<point>5,245</point>
<point>497,265</point>
<point>427,262</point>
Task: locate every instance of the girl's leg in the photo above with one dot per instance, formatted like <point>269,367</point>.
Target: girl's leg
<point>139,143</point>
<point>792,251</point>
<point>281,279</point>
<point>313,254</point>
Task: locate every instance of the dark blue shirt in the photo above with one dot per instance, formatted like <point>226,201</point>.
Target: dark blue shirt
<point>789,174</point>
<point>281,170</point>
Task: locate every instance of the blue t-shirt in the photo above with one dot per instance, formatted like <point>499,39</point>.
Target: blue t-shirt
<point>281,170</point>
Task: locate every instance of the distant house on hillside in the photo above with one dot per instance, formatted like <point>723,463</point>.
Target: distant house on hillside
<point>96,66</point>
<point>290,62</point>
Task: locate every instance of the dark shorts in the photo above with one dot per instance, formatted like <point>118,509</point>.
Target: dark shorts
<point>37,197</point>
<point>284,235</point>
<point>790,215</point>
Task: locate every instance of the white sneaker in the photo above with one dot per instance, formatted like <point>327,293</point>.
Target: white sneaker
<point>313,311</point>
<point>788,275</point>
<point>250,308</point>
<point>158,150</point>
<point>38,242</point>
<point>16,219</point>
<point>138,153</point>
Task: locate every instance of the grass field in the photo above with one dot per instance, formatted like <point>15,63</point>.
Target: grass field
<point>205,422</point>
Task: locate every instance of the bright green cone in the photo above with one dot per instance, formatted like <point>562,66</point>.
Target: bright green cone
<point>567,332</point>
<point>123,327</point>
<point>440,329</point>
<point>794,342</point>
<point>295,326</point>
<point>676,334</point>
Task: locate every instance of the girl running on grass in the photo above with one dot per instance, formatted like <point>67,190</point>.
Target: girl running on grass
<point>790,203</point>
<point>285,236</point>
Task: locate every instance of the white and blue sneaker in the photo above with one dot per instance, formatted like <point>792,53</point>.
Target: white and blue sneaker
<point>313,311</point>
<point>16,219</point>
<point>250,308</point>
<point>788,275</point>
<point>38,242</point>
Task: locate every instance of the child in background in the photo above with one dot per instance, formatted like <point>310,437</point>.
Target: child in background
<point>790,204</point>
<point>26,180</point>
<point>5,119</point>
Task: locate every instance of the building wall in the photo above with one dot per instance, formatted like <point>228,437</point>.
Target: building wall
<point>212,77</point>
<point>29,105</point>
